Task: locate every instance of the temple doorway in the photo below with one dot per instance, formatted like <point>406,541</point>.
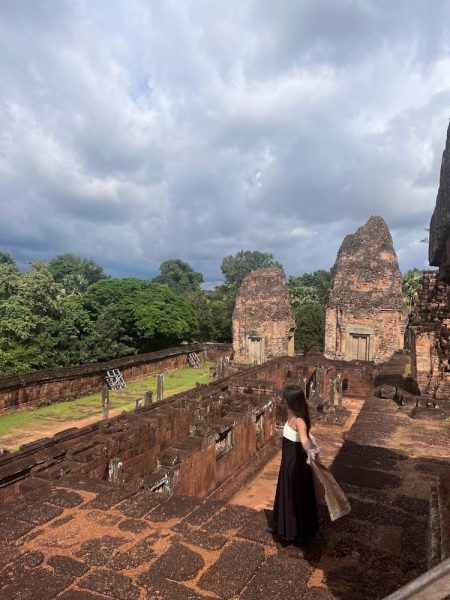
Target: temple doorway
<point>359,346</point>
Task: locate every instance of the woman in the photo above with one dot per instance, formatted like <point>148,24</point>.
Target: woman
<point>295,510</point>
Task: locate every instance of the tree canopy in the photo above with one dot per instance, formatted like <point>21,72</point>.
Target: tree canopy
<point>152,315</point>
<point>75,274</point>
<point>308,294</point>
<point>179,276</point>
<point>238,266</point>
<point>69,312</point>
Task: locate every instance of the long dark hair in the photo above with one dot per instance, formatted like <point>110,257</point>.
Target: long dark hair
<point>296,401</point>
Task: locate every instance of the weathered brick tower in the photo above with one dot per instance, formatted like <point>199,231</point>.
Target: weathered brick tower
<point>430,330</point>
<point>263,321</point>
<point>365,318</point>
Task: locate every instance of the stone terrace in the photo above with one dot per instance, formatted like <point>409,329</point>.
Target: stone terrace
<point>79,539</point>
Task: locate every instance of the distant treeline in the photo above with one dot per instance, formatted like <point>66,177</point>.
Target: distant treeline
<point>69,312</point>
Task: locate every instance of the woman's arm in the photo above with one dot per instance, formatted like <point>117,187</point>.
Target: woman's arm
<point>303,433</point>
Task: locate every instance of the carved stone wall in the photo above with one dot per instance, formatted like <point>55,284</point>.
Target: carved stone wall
<point>430,330</point>
<point>430,338</point>
<point>263,321</point>
<point>365,318</point>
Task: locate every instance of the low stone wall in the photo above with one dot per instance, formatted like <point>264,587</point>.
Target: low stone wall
<point>190,443</point>
<point>46,387</point>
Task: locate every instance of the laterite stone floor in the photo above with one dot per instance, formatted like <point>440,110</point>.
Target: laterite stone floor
<point>79,539</point>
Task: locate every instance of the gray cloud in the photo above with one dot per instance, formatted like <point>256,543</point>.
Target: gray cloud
<point>136,132</point>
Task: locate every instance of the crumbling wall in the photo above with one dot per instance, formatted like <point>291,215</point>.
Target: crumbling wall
<point>430,338</point>
<point>174,442</point>
<point>365,318</point>
<point>430,329</point>
<point>439,247</point>
<point>46,387</point>
<point>201,442</point>
<point>263,321</point>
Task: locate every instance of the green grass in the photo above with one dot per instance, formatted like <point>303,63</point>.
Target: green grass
<point>175,382</point>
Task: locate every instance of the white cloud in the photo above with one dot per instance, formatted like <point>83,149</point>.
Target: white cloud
<point>137,132</point>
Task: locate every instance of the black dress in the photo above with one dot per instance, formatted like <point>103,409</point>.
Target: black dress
<point>295,509</point>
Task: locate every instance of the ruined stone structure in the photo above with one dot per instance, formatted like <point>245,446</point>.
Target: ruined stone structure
<point>41,388</point>
<point>365,317</point>
<point>213,431</point>
<point>430,338</point>
<point>439,246</point>
<point>430,330</point>
<point>263,321</point>
<point>143,505</point>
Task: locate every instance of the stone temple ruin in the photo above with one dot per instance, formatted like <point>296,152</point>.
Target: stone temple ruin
<point>164,502</point>
<point>430,328</point>
<point>263,321</point>
<point>365,318</point>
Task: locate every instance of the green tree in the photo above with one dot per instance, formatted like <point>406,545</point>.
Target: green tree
<point>75,274</point>
<point>203,307</point>
<point>310,326</point>
<point>152,316</point>
<point>7,259</point>
<point>308,295</point>
<point>412,281</point>
<point>9,280</point>
<point>310,287</point>
<point>71,332</point>
<point>108,337</point>
<point>236,268</point>
<point>28,311</point>
<point>179,276</point>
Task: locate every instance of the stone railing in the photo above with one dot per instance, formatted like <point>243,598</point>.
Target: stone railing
<point>432,585</point>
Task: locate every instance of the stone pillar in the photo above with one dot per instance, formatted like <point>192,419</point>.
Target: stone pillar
<point>303,384</point>
<point>225,366</point>
<point>148,399</point>
<point>115,470</point>
<point>160,387</point>
<point>105,403</point>
<point>331,392</point>
<point>339,386</point>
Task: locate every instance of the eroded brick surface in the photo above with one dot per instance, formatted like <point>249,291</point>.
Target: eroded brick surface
<point>67,566</point>
<point>233,570</point>
<point>174,508</point>
<point>64,498</point>
<point>203,513</point>
<point>111,584</point>
<point>178,563</point>
<point>231,517</point>
<point>365,317</point>
<point>40,513</point>
<point>163,589</point>
<point>141,503</point>
<point>98,551</point>
<point>133,525</point>
<point>279,579</point>
<point>203,539</point>
<point>135,556</point>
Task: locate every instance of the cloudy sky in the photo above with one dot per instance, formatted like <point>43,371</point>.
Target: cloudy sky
<point>140,130</point>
